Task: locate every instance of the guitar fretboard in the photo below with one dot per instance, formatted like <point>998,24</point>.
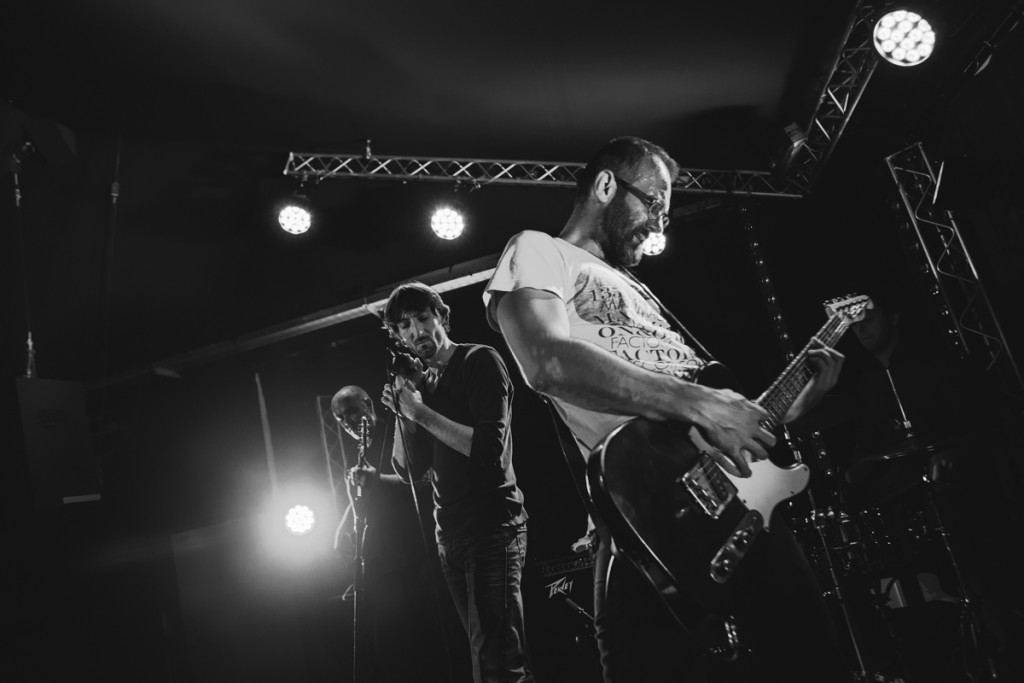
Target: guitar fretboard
<point>778,398</point>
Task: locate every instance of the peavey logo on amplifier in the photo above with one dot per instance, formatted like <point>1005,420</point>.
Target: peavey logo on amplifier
<point>561,576</point>
<point>568,592</point>
<point>562,585</point>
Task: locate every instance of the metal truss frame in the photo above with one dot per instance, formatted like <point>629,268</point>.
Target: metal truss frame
<point>976,330</point>
<point>855,63</point>
<point>311,167</point>
<point>334,454</point>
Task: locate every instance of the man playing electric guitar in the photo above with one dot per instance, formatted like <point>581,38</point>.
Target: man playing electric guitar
<point>592,339</point>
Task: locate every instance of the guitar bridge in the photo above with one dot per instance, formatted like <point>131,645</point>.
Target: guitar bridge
<point>708,486</point>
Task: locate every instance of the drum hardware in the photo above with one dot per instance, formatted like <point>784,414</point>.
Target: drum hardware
<point>881,547</point>
<point>819,522</point>
<point>970,627</point>
<point>858,554</point>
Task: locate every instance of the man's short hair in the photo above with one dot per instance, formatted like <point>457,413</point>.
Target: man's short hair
<point>622,156</point>
<point>411,298</point>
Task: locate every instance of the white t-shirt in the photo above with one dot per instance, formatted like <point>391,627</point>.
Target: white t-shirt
<point>605,307</point>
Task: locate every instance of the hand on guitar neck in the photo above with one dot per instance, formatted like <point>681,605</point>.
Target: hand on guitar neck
<point>826,364</point>
<point>740,429</point>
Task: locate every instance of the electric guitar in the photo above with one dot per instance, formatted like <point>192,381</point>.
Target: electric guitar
<point>685,522</point>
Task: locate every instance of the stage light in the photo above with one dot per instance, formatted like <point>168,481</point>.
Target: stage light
<point>297,525</point>
<point>447,223</point>
<point>299,520</point>
<point>296,214</point>
<point>904,38</point>
<point>654,244</point>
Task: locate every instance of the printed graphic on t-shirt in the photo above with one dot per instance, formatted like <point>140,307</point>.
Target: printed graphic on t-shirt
<point>617,317</point>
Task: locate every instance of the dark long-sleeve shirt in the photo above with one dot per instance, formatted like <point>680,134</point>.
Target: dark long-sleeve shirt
<point>478,493</point>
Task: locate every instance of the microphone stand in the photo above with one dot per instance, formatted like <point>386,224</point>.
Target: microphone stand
<point>359,518</point>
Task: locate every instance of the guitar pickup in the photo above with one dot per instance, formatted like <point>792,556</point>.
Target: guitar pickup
<point>728,557</point>
<point>708,487</point>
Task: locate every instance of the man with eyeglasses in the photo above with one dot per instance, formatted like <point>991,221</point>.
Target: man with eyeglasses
<point>592,339</point>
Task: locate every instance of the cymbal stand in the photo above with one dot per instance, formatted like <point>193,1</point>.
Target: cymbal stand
<point>359,520</point>
<point>820,520</point>
<point>970,629</point>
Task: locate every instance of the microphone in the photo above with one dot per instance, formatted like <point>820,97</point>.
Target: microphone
<point>364,433</point>
<point>405,364</point>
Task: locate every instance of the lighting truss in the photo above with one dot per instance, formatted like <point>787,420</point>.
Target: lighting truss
<point>975,329</point>
<point>308,167</point>
<point>850,73</point>
<point>854,65</point>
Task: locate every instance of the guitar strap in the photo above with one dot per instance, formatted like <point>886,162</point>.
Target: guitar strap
<point>678,326</point>
<point>573,456</point>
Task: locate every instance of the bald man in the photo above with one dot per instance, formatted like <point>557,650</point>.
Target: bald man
<point>397,573</point>
<point>349,406</point>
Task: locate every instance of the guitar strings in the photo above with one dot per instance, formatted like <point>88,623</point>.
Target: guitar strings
<point>797,373</point>
<point>791,382</point>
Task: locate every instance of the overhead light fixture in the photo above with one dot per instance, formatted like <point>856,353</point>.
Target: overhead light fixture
<point>447,222</point>
<point>299,520</point>
<point>904,38</point>
<point>296,526</point>
<point>654,244</point>
<point>296,214</point>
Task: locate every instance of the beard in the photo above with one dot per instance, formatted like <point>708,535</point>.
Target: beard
<point>620,232</point>
<point>425,348</point>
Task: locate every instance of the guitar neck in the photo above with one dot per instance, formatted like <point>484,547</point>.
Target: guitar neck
<point>778,398</point>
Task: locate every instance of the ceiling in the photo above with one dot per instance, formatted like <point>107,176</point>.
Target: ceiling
<point>192,106</point>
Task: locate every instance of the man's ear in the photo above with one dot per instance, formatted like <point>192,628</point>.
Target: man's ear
<point>604,186</point>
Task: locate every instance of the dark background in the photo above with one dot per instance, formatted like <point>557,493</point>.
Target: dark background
<point>192,109</point>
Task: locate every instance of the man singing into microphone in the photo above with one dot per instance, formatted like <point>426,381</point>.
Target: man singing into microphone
<point>454,419</point>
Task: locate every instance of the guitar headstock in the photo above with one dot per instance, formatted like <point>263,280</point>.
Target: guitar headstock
<point>850,308</point>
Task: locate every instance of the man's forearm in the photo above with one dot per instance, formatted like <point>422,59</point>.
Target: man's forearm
<point>452,434</point>
<point>583,374</point>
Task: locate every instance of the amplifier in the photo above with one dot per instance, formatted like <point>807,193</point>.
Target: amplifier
<point>559,597</point>
<point>566,581</point>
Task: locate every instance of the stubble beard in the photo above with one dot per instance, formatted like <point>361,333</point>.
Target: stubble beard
<point>426,349</point>
<point>619,229</point>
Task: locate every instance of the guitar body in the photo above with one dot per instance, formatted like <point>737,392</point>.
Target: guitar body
<point>636,479</point>
<point>683,521</point>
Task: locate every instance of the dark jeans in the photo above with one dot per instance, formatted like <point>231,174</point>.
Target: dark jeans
<point>484,574</point>
<point>782,618</point>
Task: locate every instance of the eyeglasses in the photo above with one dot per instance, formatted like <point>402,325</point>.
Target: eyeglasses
<point>655,207</point>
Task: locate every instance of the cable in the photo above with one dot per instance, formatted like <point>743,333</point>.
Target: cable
<point>30,353</point>
<point>407,448</point>
<point>105,294</point>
